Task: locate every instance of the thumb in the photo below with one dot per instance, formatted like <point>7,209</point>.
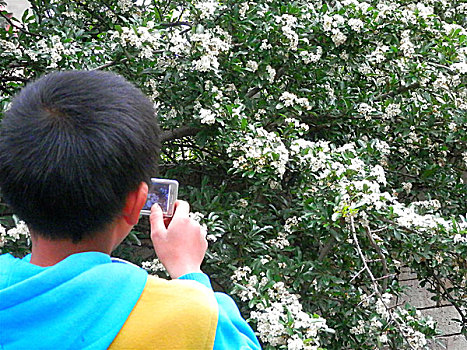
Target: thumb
<point>156,219</point>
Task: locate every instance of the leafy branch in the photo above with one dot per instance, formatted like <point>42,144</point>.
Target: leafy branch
<point>20,28</point>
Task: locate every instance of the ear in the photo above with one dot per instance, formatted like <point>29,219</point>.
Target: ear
<point>134,203</point>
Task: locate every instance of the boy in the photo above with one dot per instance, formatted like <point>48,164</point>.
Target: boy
<point>76,151</point>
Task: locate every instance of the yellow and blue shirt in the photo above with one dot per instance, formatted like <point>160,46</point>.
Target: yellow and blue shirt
<point>88,301</point>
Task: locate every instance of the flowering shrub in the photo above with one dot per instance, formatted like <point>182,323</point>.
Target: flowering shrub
<point>322,143</point>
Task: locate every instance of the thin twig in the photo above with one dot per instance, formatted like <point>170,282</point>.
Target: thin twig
<point>358,274</point>
<point>375,284</point>
<point>386,277</point>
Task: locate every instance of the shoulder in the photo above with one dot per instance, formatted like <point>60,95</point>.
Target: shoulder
<point>179,294</point>
<point>175,314</point>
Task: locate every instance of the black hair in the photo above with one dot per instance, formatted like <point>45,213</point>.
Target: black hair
<point>73,145</point>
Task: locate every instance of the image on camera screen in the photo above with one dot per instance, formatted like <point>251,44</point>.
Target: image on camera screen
<point>158,193</point>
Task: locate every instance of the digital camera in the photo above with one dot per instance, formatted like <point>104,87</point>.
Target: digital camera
<point>163,192</point>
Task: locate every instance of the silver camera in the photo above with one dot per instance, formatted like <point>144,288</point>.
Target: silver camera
<point>163,192</point>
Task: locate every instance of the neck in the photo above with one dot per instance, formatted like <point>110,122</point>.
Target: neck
<point>47,252</point>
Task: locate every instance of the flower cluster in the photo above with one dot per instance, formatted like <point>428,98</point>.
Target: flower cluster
<point>279,313</point>
<point>146,39</point>
<point>288,23</point>
<point>259,151</point>
<point>154,266</point>
<point>13,234</point>
<point>387,317</point>
<point>210,44</point>
<point>289,99</point>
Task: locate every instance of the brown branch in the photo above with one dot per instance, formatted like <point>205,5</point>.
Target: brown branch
<point>7,79</point>
<point>447,295</point>
<point>21,29</point>
<point>327,248</point>
<point>380,254</point>
<point>400,90</point>
<point>175,24</point>
<point>183,131</point>
<point>408,229</point>
<point>112,63</point>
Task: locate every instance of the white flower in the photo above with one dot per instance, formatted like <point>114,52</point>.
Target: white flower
<point>153,266</point>
<point>15,233</point>
<point>252,65</point>
<point>378,54</point>
<point>271,72</point>
<point>356,24</point>
<point>309,57</point>
<point>327,23</point>
<point>461,67</point>
<point>366,110</point>
<point>260,150</point>
<point>206,116</point>
<point>2,236</point>
<point>265,45</point>
<point>280,242</point>
<point>407,186</point>
<point>243,9</point>
<point>338,20</point>
<point>393,110</point>
<point>301,127</point>
<point>359,329</point>
<point>379,173</point>
<point>179,43</point>
<point>424,11</point>
<point>206,63</point>
<point>280,307</point>
<point>288,98</point>
<point>383,338</point>
<point>240,274</point>
<point>125,5</point>
<point>375,323</point>
<point>289,22</point>
<point>406,46</point>
<point>207,8</point>
<point>338,37</point>
<point>211,238</point>
<point>459,239</point>
<point>295,343</point>
<point>242,203</point>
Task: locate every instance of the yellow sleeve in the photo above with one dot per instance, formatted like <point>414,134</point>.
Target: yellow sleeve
<point>176,314</point>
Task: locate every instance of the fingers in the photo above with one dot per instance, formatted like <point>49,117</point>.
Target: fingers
<point>180,243</point>
<point>204,231</point>
<point>182,209</point>
<point>157,220</point>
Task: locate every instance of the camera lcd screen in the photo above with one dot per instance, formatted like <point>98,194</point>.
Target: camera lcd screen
<point>160,194</point>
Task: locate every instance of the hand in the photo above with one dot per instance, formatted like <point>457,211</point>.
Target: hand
<point>180,243</point>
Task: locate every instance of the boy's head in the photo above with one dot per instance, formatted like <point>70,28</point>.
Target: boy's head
<point>73,145</point>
